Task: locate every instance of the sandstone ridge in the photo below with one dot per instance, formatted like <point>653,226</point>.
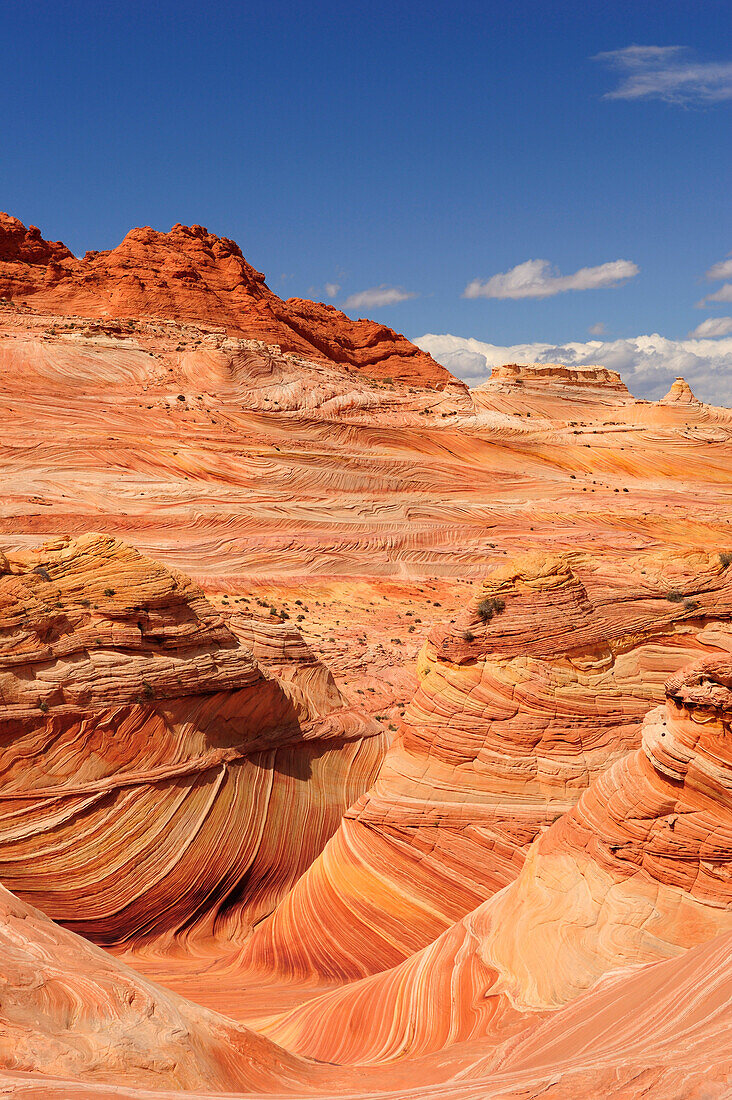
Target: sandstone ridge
<point>191,275</point>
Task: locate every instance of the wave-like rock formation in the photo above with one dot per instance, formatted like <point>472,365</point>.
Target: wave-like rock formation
<point>523,700</point>
<point>69,1010</point>
<point>639,871</point>
<point>189,275</point>
<point>156,780</point>
<point>170,416</point>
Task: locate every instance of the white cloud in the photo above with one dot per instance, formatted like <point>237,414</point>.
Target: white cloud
<point>713,326</point>
<point>537,279</point>
<point>647,364</point>
<point>377,296</point>
<point>722,270</point>
<point>331,289</point>
<point>597,330</point>
<point>668,73</point>
<point>724,294</point>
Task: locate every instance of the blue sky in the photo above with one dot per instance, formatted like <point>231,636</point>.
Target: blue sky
<point>422,147</point>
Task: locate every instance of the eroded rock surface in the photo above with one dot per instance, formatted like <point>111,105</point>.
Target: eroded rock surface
<point>157,779</point>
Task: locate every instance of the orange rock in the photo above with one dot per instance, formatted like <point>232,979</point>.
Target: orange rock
<point>637,872</point>
<point>680,393</point>
<point>189,275</point>
<point>157,779</point>
<point>514,718</point>
<point>69,1010</point>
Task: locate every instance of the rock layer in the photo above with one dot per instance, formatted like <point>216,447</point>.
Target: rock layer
<point>189,275</point>
<point>524,699</point>
<point>156,779</point>
<point>638,872</point>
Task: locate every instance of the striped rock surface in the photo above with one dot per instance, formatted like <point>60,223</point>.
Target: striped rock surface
<point>639,871</point>
<point>524,699</point>
<point>156,778</point>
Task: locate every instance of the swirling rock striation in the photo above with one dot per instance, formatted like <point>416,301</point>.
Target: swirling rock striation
<point>70,1011</point>
<point>156,780</point>
<point>525,699</point>
<point>638,872</point>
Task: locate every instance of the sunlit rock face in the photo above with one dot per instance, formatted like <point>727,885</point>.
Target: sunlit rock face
<point>161,393</point>
<point>72,1017</point>
<point>188,275</point>
<point>526,892</point>
<point>158,779</point>
<point>679,394</point>
<point>529,695</point>
<point>637,872</point>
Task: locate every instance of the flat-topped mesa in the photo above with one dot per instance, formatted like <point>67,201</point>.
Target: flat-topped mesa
<point>680,394</point>
<point>559,374</point>
<point>151,755</point>
<point>191,275</point>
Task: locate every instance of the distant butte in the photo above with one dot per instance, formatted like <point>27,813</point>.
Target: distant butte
<point>191,275</point>
<point>680,394</point>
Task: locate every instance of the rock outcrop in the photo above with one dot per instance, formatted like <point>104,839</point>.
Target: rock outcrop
<point>557,374</point>
<point>524,700</point>
<point>69,1010</point>
<point>191,275</point>
<point>639,871</point>
<point>680,394</point>
<point>156,780</point>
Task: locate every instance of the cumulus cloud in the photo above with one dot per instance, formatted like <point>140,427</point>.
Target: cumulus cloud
<point>647,364</point>
<point>377,296</point>
<point>669,73</point>
<point>597,330</point>
<point>722,270</point>
<point>538,279</point>
<point>331,289</point>
<point>713,326</point>
<point>724,294</point>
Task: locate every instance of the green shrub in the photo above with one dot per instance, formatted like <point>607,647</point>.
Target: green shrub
<point>489,607</point>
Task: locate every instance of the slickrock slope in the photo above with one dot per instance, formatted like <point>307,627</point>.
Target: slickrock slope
<point>185,429</point>
<point>189,275</point>
<point>639,871</point>
<point>523,700</point>
<point>156,780</point>
<point>68,1010</point>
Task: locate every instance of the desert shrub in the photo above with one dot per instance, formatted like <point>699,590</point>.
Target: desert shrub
<point>108,591</point>
<point>468,636</point>
<point>726,558</point>
<point>490,606</point>
<point>675,596</point>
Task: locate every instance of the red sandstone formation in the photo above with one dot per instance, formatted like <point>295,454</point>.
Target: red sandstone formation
<point>183,779</point>
<point>68,1010</point>
<point>637,872</point>
<point>190,275</point>
<point>157,779</point>
<point>523,700</point>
